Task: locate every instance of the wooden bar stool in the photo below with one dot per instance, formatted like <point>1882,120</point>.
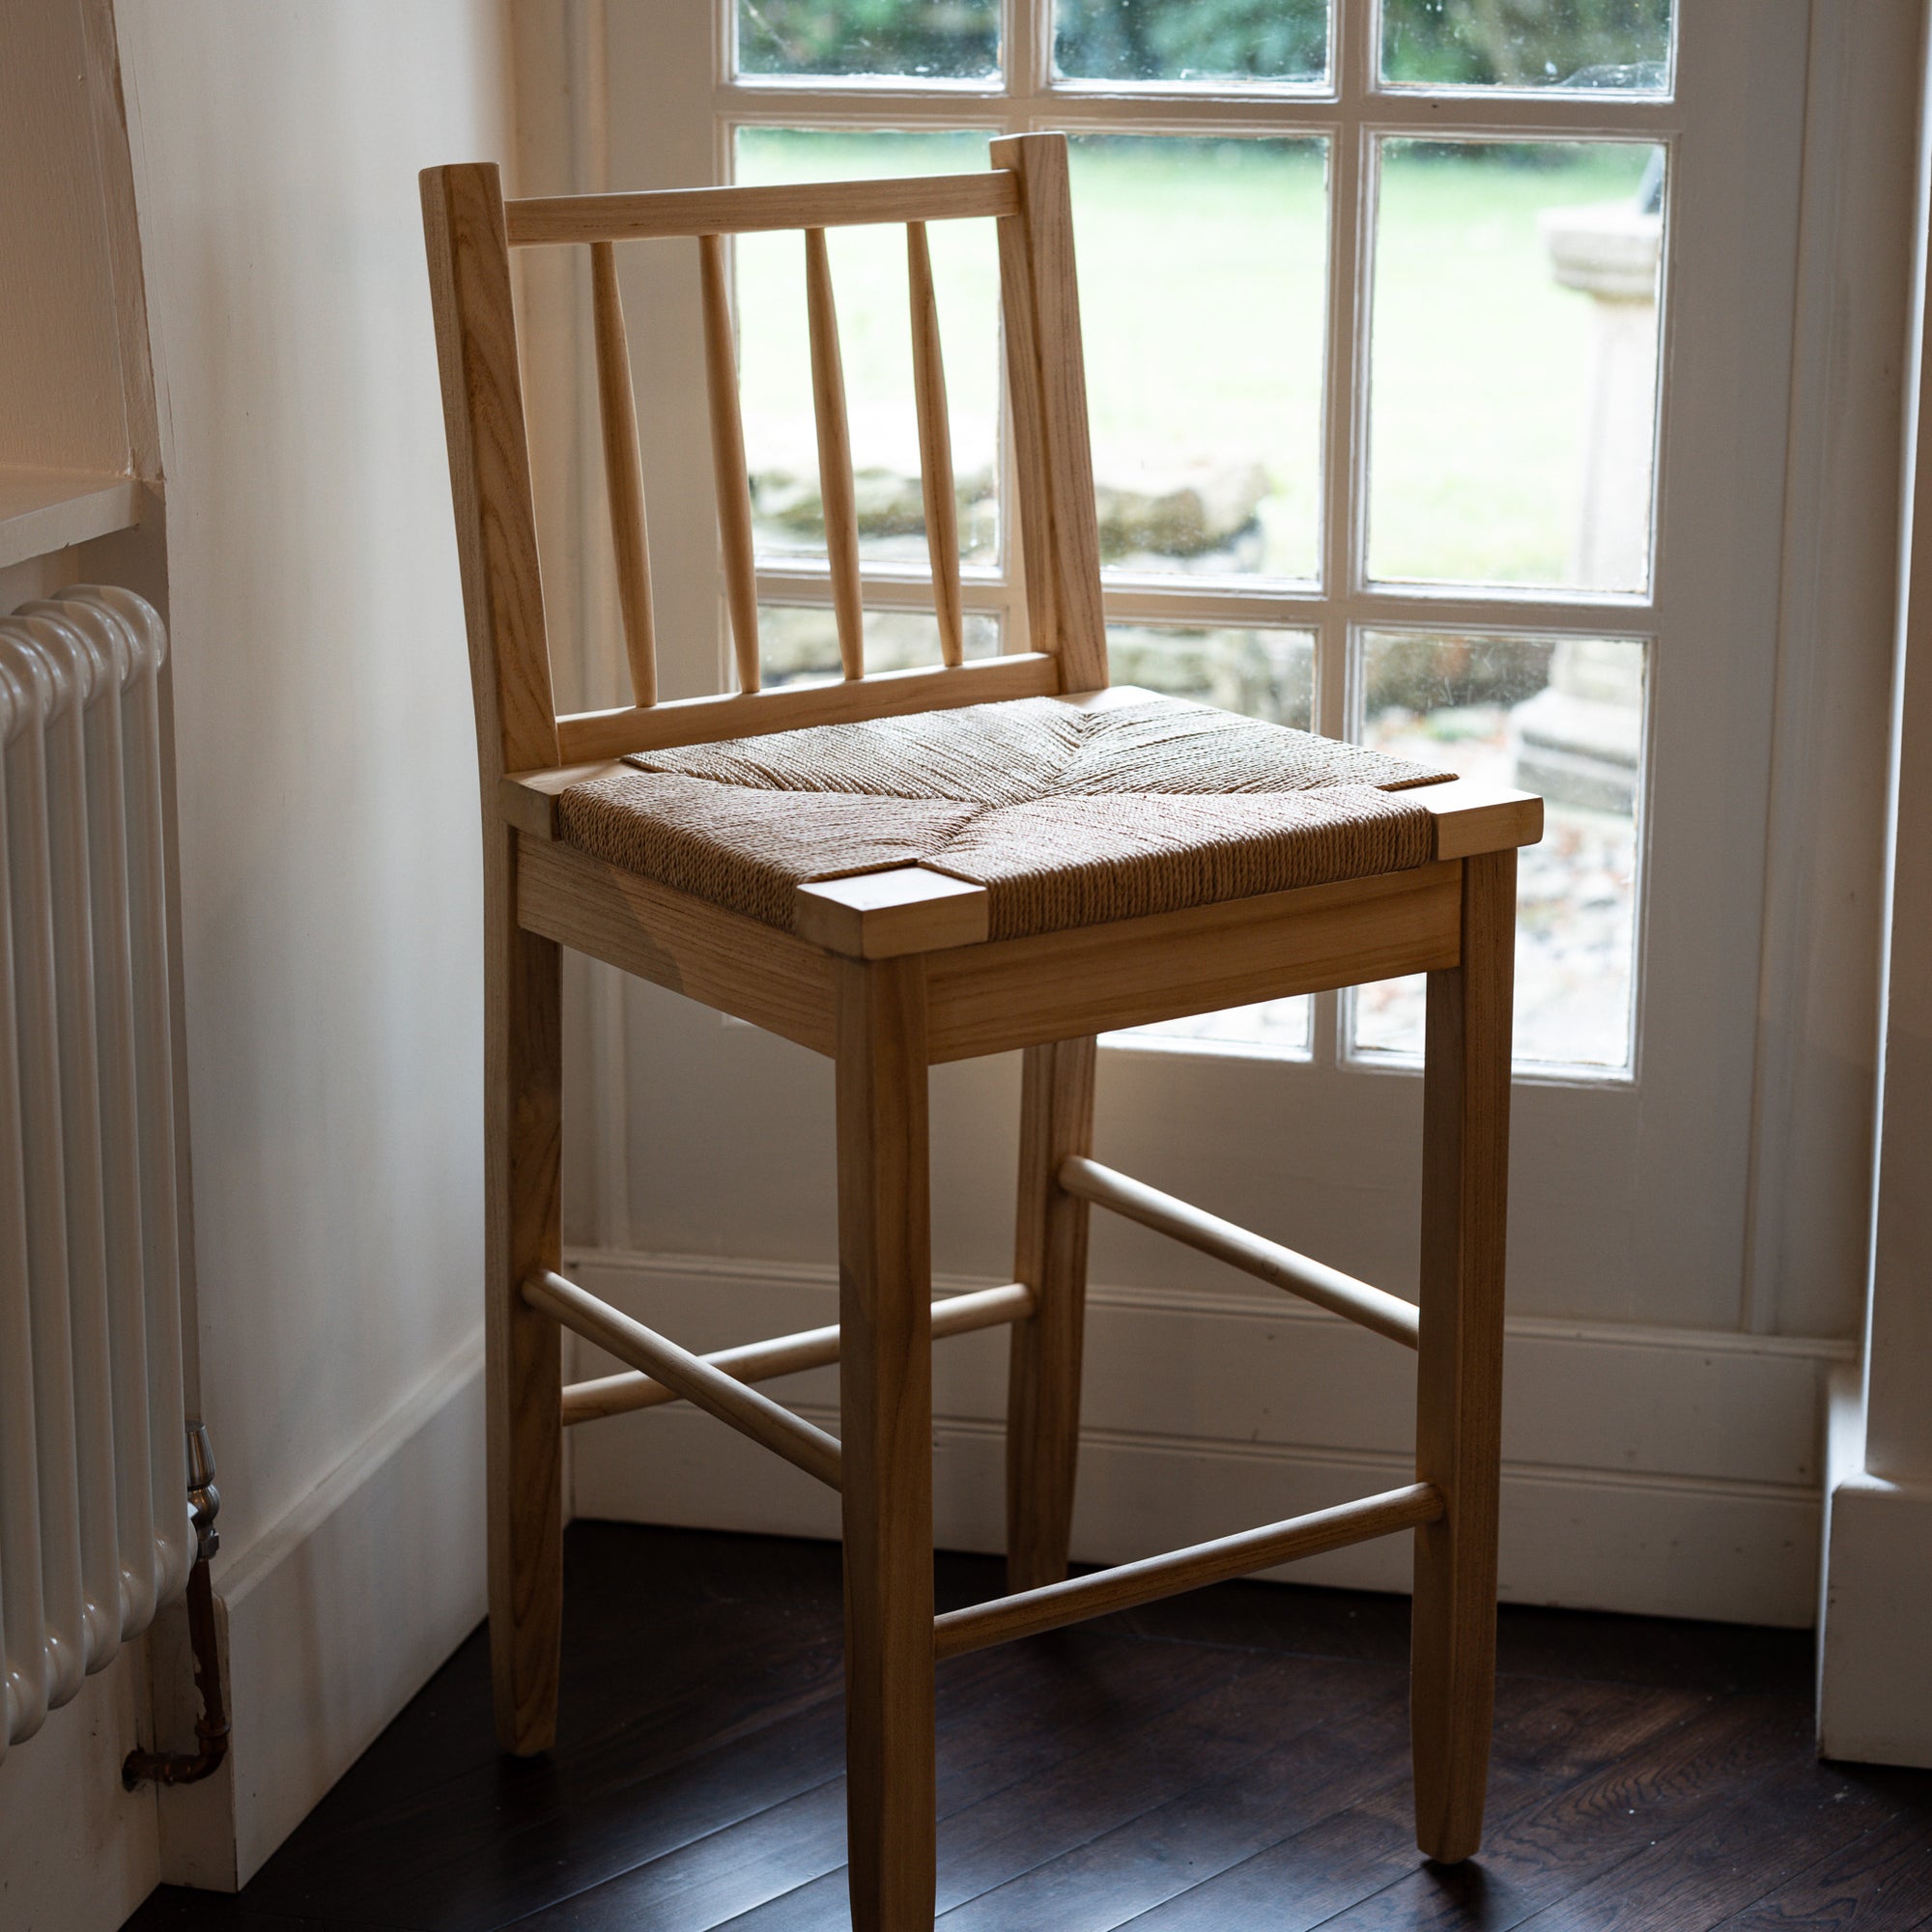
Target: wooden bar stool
<point>926,866</point>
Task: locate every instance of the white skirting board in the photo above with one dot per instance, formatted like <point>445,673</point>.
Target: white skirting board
<point>1662,1471</point>
<point>1875,1615</point>
<point>331,1621</point>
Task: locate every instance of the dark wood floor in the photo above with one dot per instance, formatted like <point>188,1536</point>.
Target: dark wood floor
<point>1232,1759</point>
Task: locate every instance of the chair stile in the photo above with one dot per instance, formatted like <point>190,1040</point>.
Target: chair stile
<point>894,971</point>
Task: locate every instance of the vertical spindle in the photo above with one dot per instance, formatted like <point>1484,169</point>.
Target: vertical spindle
<point>727,461</point>
<point>936,445</point>
<point>624,471</point>
<point>835,454</point>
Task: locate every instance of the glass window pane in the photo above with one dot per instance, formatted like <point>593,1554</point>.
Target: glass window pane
<point>917,39</point>
<point>1282,1027</point>
<point>868,278</point>
<point>1620,45</point>
<point>1563,718</point>
<point>798,644</point>
<point>1202,270</point>
<point>1268,41</point>
<point>1513,398</point>
<point>1266,674</point>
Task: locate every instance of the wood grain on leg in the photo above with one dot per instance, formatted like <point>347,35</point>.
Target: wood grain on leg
<point>516,730</point>
<point>1049,1255</point>
<point>1459,1399</point>
<point>523,1068</point>
<point>885,1298</point>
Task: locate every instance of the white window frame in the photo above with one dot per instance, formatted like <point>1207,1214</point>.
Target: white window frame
<point>1350,110</point>
<point>1683,1248</point>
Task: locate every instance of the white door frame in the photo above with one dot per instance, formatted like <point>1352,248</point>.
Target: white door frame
<point>1875,1613</point>
<point>1807,464</point>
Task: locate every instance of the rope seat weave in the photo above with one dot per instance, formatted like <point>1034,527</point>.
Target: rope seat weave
<point>1067,814</point>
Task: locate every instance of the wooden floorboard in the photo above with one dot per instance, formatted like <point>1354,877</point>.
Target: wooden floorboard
<point>1736,1853</point>
<point>1546,1835</point>
<point>1879,1881</point>
<point>1125,1872</point>
<point>1236,1758</point>
<point>996,1725</point>
<point>1550,1738</point>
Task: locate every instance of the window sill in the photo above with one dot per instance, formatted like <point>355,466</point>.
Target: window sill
<point>45,510</point>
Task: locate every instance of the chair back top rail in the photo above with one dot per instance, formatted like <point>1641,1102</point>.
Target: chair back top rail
<point>547,220</point>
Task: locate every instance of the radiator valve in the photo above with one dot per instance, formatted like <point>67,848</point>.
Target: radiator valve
<point>210,1728</point>
<point>204,1499</point>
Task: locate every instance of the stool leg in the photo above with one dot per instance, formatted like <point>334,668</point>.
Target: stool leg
<point>1459,1399</point>
<point>885,1295</point>
<point>522,1061</point>
<point>1050,1256</point>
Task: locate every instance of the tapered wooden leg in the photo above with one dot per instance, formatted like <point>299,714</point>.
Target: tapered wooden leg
<point>1050,1256</point>
<point>1459,1400</point>
<point>885,1295</point>
<point>523,1065</point>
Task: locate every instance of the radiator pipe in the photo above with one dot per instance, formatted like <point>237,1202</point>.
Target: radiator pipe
<point>210,1728</point>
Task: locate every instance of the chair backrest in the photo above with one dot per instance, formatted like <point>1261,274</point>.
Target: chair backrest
<point>470,230</point>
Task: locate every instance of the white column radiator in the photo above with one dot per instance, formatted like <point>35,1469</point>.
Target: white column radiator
<point>94,1524</point>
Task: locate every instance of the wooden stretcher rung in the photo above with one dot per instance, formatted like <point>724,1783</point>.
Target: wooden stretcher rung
<point>1267,1261</point>
<point>1167,1576</point>
<point>787,1354</point>
<point>694,1378</point>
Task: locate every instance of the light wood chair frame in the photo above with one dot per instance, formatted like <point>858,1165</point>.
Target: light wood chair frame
<point>893,973</point>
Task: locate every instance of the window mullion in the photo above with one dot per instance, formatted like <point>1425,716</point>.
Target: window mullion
<point>1027,53</point>
<point>1342,465</point>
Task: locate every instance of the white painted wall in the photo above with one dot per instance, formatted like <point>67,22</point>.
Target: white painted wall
<point>330,870</point>
<point>329,878</point>
<point>325,750</point>
<point>62,403</point>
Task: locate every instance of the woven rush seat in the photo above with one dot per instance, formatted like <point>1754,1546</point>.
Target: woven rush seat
<point>1068,812</point>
